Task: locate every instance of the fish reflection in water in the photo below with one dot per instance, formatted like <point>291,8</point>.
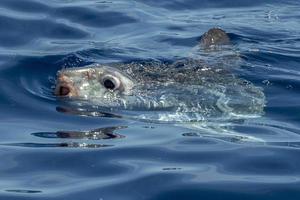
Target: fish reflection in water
<point>106,133</point>
<point>23,191</point>
<point>62,144</point>
<point>96,134</point>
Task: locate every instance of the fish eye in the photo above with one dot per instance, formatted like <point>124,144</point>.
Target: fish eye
<point>111,82</point>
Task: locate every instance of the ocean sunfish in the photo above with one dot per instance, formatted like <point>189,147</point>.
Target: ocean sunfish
<point>183,91</point>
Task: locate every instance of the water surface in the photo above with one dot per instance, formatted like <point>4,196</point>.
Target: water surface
<point>50,153</point>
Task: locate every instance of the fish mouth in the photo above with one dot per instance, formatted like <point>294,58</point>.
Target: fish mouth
<point>63,91</point>
<point>65,87</point>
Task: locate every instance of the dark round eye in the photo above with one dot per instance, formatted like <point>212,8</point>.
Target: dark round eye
<point>111,82</point>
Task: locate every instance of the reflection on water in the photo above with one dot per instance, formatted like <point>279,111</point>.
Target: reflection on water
<point>106,133</point>
<point>96,134</point>
<point>228,138</point>
<point>23,191</point>
<point>53,145</point>
<point>171,168</point>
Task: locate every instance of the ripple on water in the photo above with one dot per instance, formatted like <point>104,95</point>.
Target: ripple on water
<point>23,31</point>
<point>26,6</point>
<point>93,17</point>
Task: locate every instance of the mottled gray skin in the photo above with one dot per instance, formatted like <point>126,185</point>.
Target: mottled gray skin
<point>186,90</point>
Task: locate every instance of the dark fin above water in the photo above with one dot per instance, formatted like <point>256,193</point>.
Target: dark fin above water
<point>214,37</point>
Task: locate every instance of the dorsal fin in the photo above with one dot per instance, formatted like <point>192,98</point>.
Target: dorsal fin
<point>214,37</point>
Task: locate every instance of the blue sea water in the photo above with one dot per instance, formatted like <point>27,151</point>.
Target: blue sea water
<point>47,153</point>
